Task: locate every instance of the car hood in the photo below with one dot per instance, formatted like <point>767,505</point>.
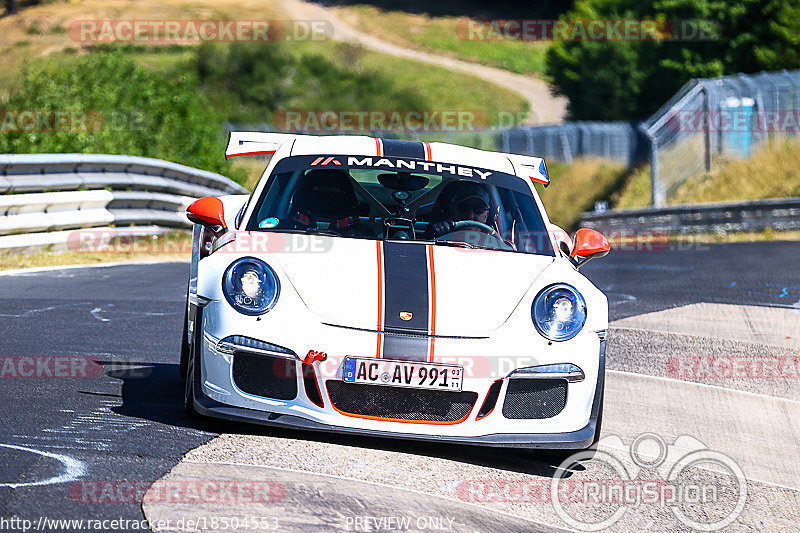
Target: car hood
<point>358,282</point>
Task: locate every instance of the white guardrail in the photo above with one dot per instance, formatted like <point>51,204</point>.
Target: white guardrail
<point>45,197</point>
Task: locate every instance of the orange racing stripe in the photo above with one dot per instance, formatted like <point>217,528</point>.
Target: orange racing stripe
<point>379,247</point>
<point>432,307</point>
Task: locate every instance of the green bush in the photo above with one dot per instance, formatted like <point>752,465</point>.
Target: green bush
<point>244,77</point>
<point>175,107</point>
<point>130,111</point>
<point>250,81</point>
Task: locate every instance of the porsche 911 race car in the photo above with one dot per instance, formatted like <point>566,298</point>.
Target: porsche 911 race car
<point>397,289</point>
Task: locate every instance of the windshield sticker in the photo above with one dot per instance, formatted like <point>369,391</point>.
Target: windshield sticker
<point>268,223</point>
<point>406,165</point>
<point>412,164</point>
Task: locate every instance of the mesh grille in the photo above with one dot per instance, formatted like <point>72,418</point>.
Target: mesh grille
<point>262,375</point>
<point>534,398</point>
<point>399,403</point>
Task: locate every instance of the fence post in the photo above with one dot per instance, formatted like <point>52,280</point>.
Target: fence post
<point>566,152</point>
<point>530,140</point>
<point>707,123</point>
<point>658,192</point>
<point>505,136</point>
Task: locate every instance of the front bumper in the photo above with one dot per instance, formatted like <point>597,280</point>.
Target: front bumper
<point>579,439</point>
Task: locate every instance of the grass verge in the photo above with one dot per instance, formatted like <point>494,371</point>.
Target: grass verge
<point>44,28</point>
<point>446,35</point>
<point>173,246</point>
<point>635,191</point>
<point>575,187</point>
<point>773,171</point>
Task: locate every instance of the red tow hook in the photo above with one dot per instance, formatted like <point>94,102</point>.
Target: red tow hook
<point>314,355</point>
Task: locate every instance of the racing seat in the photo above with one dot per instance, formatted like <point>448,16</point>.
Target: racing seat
<point>325,200</point>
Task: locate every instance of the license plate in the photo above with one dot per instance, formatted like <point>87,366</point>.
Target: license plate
<point>403,374</point>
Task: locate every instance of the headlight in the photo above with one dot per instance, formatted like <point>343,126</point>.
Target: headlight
<point>558,312</point>
<point>251,286</point>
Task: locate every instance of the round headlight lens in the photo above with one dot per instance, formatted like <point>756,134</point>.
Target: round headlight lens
<point>558,312</point>
<point>250,286</point>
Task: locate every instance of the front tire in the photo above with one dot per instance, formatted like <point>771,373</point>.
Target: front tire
<point>192,378</point>
<point>184,364</point>
<point>188,392</point>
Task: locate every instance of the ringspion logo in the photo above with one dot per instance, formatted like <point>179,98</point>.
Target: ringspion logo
<point>649,472</point>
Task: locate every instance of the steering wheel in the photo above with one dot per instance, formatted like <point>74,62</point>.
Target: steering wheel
<point>462,225</point>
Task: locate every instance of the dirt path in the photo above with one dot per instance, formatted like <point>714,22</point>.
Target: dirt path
<point>545,108</point>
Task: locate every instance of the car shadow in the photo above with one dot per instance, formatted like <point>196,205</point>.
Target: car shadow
<point>154,392</point>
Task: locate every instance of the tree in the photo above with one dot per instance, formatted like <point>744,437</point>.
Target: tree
<point>630,79</point>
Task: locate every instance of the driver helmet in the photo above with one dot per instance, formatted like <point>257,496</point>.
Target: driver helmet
<point>470,197</point>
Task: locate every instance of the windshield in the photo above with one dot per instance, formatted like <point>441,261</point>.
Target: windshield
<point>382,198</point>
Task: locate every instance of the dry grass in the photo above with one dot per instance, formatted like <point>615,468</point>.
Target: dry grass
<point>636,191</point>
<point>773,171</point>
<point>441,88</point>
<point>253,166</point>
<point>174,246</point>
<point>745,236</point>
<point>658,241</point>
<point>574,188</point>
<point>40,31</point>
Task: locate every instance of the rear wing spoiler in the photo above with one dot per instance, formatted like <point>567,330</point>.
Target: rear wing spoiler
<point>533,168</point>
<point>256,143</point>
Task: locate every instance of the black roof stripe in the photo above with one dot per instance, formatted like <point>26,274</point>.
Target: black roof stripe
<point>410,149</point>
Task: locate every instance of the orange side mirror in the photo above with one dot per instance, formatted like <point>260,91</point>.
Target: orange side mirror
<point>589,244</point>
<point>209,212</point>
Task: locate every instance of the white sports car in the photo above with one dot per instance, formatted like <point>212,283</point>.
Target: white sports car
<point>397,289</point>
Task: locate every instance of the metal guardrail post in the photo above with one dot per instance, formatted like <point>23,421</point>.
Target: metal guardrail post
<point>657,189</point>
<point>707,123</point>
<point>566,153</point>
<point>530,141</point>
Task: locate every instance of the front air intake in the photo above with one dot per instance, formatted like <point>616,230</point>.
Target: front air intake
<point>534,398</point>
<point>266,376</point>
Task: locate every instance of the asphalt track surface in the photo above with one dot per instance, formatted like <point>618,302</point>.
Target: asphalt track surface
<point>65,439</point>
